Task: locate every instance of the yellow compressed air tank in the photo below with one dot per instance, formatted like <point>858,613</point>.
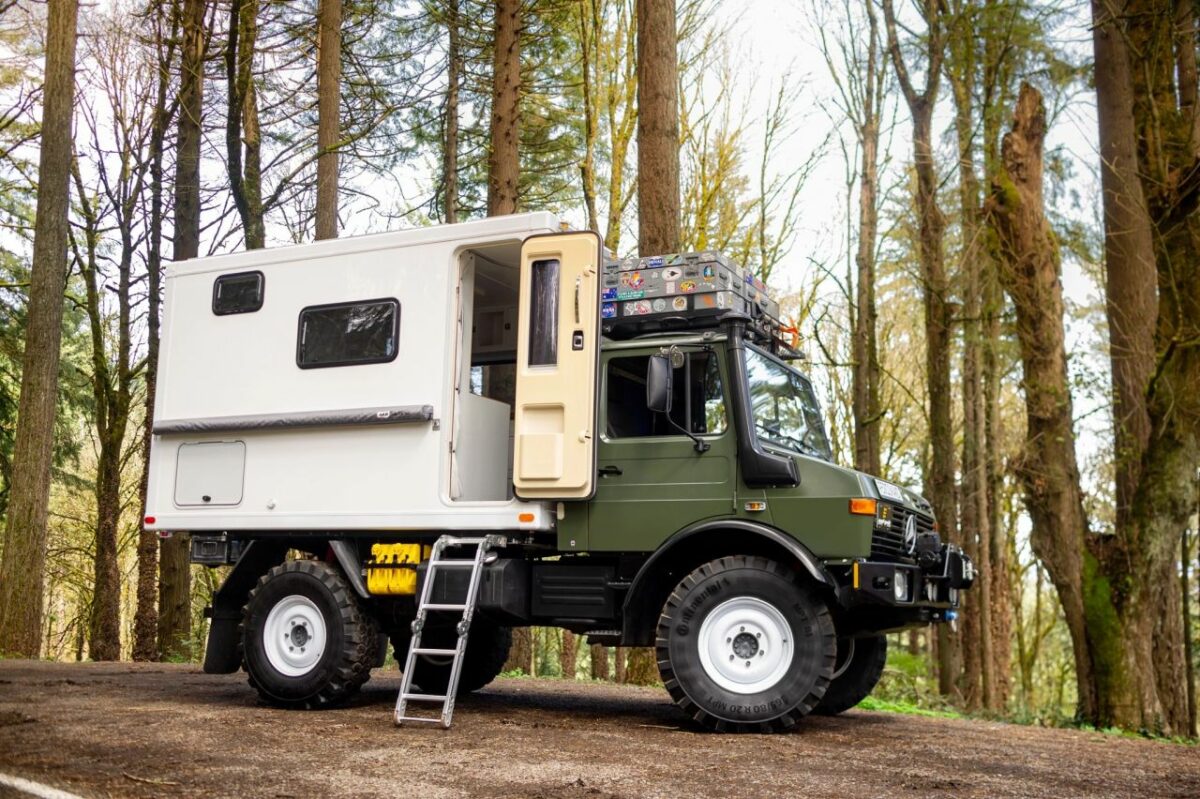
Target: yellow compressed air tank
<point>392,569</point>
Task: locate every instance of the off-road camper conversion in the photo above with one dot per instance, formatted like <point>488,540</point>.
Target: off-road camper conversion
<point>436,435</point>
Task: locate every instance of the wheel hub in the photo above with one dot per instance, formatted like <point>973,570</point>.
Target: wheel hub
<point>294,636</point>
<point>745,645</point>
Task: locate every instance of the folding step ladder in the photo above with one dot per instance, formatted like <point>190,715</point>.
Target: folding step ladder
<point>482,545</point>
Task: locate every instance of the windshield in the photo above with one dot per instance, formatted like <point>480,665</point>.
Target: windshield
<point>786,412</point>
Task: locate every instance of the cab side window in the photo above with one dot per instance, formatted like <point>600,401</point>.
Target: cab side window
<point>698,403</point>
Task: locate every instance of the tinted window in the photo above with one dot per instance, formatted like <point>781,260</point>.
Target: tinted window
<point>786,411</point>
<point>697,404</point>
<point>240,293</point>
<point>348,334</point>
<point>543,314</point>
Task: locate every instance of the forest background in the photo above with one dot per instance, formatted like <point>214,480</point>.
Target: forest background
<point>981,215</point>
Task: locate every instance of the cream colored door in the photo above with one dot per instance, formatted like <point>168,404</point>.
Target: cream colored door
<point>558,344</point>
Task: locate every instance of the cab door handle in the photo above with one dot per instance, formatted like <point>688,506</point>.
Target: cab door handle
<point>610,470</point>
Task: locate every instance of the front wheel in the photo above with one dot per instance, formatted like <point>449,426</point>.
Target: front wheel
<point>858,668</point>
<point>744,646</point>
<point>306,641</point>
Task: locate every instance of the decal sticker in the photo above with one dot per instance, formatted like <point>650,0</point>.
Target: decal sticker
<point>679,303</point>
<point>652,261</point>
<point>709,271</point>
<point>628,264</point>
<point>720,299</point>
<point>660,305</point>
<point>687,286</point>
<point>630,295</point>
<point>637,308</point>
<point>608,310</point>
<point>670,289</point>
<point>636,281</point>
<point>609,294</point>
<point>672,273</point>
<point>706,301</point>
<point>624,281</point>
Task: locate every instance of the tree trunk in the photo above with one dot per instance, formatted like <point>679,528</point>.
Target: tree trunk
<point>1030,273</point>
<point>22,573</point>
<point>866,406</point>
<point>599,662</point>
<point>978,684</point>
<point>145,621</point>
<point>521,655</point>
<point>329,85</point>
<point>641,666</point>
<point>1151,165</point>
<point>935,295</point>
<point>1187,631</point>
<point>504,165</point>
<point>450,141</point>
<point>588,38</point>
<point>568,654</point>
<point>621,663</point>
<point>657,128</point>
<point>175,581</point>
<point>620,112</point>
<point>241,121</point>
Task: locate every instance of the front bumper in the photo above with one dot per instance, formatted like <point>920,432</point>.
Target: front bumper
<point>931,583</point>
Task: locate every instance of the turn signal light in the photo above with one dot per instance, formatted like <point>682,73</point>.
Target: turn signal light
<point>862,506</point>
<point>525,518</point>
<point>150,520</point>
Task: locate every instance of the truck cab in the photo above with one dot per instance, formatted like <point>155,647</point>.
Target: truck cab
<point>657,479</point>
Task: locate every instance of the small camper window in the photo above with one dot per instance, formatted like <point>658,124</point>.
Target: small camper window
<point>347,334</point>
<point>239,293</point>
<point>543,314</point>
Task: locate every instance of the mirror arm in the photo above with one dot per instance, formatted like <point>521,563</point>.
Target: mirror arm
<point>702,446</point>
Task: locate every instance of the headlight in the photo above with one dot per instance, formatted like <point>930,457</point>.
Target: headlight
<point>900,585</point>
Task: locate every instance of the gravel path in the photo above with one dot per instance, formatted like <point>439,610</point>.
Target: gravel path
<point>146,730</point>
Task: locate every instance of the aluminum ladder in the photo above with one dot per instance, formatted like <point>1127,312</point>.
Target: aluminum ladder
<point>436,562</point>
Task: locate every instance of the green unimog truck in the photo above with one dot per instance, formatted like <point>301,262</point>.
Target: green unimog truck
<point>434,436</point>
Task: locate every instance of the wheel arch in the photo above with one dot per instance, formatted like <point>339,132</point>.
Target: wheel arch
<point>222,655</point>
<point>699,543</point>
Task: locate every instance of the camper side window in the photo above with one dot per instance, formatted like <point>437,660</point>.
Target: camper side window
<point>238,293</point>
<point>348,334</point>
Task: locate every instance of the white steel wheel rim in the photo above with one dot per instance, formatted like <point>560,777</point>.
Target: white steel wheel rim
<point>294,636</point>
<point>746,645</point>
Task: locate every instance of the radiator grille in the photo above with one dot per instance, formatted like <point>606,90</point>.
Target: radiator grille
<point>889,544</point>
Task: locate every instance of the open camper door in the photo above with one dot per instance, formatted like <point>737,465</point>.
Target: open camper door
<point>558,346</point>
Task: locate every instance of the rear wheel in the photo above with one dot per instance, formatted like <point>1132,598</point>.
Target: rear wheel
<point>744,646</point>
<point>305,640</point>
<point>858,668</point>
<point>487,650</point>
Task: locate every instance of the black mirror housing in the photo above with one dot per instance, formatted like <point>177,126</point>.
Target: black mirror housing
<point>659,388</point>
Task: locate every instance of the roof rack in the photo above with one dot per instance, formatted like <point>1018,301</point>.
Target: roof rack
<point>685,292</point>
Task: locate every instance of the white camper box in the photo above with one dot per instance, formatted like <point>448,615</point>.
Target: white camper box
<point>250,435</point>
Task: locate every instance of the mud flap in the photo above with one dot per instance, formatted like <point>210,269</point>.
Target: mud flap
<point>223,654</point>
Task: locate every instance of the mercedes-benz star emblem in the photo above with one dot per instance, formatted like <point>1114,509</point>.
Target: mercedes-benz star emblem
<point>910,534</point>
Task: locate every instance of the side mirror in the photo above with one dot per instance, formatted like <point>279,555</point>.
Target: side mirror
<point>659,375</point>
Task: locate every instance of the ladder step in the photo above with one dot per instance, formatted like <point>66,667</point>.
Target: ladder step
<point>400,719</point>
<point>436,652</point>
<point>433,606</point>
<point>451,564</point>
<point>422,698</point>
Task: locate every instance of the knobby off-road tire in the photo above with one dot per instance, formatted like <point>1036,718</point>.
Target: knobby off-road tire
<point>857,670</point>
<point>744,645</point>
<point>487,650</point>
<point>306,642</point>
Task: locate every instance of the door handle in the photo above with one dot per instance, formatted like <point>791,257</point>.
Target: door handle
<point>606,471</point>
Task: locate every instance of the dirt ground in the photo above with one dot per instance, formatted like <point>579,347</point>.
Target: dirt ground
<point>157,730</point>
